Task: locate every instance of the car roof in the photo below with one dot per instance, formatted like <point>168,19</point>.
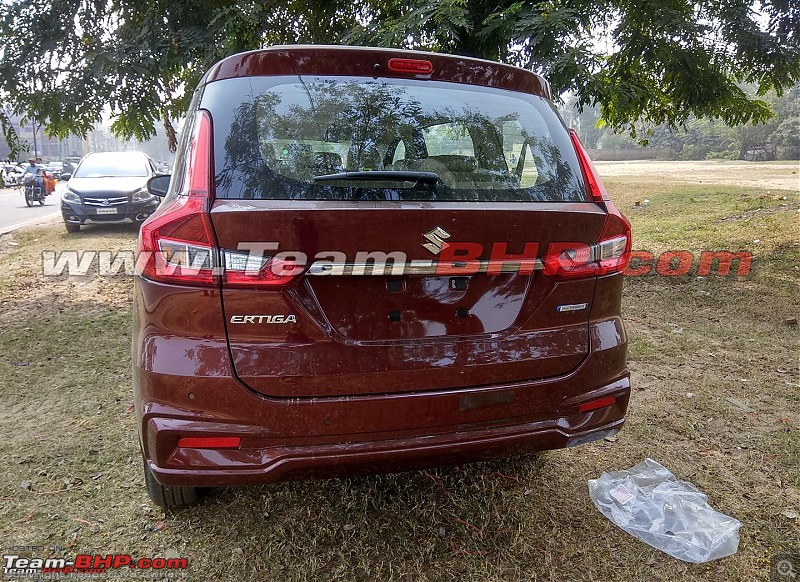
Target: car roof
<point>374,62</point>
<point>115,155</point>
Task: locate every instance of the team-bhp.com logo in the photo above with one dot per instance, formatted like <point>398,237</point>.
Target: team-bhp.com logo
<point>452,259</point>
<point>15,566</point>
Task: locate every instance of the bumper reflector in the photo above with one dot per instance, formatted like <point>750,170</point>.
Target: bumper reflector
<point>595,404</point>
<point>209,442</point>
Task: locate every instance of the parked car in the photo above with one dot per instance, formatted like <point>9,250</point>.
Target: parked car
<point>109,187</point>
<point>348,273</point>
<point>12,174</point>
<point>69,167</point>
<point>7,180</point>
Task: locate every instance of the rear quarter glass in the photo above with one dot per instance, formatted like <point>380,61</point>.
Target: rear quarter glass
<point>485,144</point>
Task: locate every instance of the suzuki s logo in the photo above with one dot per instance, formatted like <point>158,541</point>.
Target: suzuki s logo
<point>106,202</point>
<point>263,318</point>
<point>436,238</point>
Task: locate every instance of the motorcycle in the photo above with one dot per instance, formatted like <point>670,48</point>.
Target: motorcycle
<point>34,190</point>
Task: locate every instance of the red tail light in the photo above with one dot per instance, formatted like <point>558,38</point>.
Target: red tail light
<point>243,269</point>
<point>611,253</point>
<point>177,243</point>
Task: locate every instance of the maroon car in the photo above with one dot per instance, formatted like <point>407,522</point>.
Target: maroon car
<point>373,260</point>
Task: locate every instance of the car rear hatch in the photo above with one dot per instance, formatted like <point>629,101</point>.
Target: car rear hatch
<point>358,334</point>
<point>397,235</point>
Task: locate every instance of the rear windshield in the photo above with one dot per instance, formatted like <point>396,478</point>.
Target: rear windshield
<point>354,138</point>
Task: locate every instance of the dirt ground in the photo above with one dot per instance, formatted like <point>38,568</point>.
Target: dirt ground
<point>715,364</point>
<point>774,175</point>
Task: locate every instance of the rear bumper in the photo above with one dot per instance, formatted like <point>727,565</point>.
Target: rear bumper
<point>258,462</point>
<point>298,439</point>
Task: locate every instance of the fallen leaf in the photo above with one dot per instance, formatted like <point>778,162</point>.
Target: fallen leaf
<point>238,551</point>
<point>789,513</point>
<point>348,527</point>
<point>26,485</point>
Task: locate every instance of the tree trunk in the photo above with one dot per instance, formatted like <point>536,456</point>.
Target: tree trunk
<point>470,44</point>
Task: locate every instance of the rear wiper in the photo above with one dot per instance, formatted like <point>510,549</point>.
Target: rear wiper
<point>422,180</point>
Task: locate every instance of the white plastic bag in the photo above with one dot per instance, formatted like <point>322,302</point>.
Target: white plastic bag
<point>673,516</point>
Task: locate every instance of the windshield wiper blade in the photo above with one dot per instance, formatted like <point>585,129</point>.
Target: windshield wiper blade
<point>419,178</point>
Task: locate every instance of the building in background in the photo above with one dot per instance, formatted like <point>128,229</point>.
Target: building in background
<point>32,135</point>
<point>99,139</point>
<point>39,144</point>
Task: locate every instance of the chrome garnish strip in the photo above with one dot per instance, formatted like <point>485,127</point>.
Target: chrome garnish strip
<point>422,267</point>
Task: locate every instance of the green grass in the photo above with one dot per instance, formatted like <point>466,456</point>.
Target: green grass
<point>712,217</point>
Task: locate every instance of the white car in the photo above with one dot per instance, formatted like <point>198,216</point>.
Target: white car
<point>12,174</point>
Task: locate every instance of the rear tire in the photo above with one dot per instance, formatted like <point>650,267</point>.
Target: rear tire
<point>170,497</point>
<point>72,227</point>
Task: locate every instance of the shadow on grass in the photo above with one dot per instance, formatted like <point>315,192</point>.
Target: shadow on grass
<point>92,228</point>
<point>485,517</point>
